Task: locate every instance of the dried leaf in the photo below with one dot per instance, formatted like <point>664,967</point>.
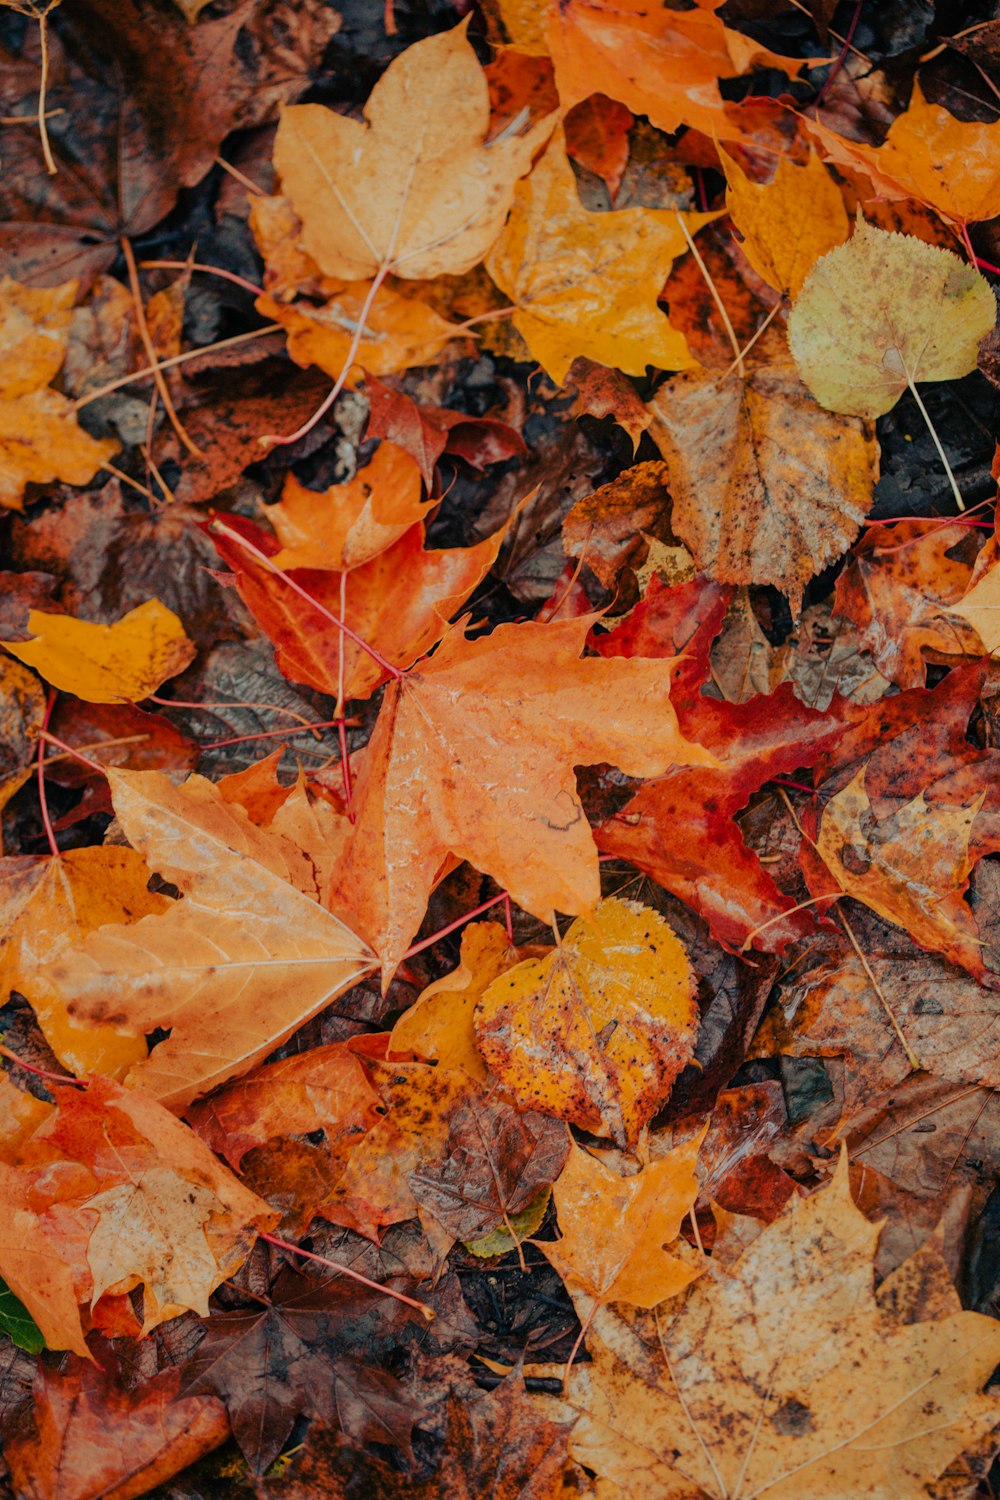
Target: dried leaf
<point>123,662</point>
<point>413,189</point>
<point>586,283</point>
<point>882,312</point>
<point>767,486</point>
<point>472,756</point>
<point>596,1032</point>
<point>234,968</point>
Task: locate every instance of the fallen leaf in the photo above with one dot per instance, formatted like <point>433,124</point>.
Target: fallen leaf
<point>349,524</point>
<point>614,1230</point>
<point>399,331</point>
<point>40,438</point>
<point>662,63</point>
<point>398,602</point>
<point>110,1191</point>
<point>904,591</point>
<point>123,662</point>
<point>608,529</point>
<point>50,911</point>
<point>425,432</point>
<point>882,312</point>
<point>91,1436</point>
<point>586,283</point>
<point>912,869</point>
<point>601,392</point>
<point>413,189</point>
<point>596,1032</point>
<point>788,223</point>
<point>946,163</point>
<point>322,1089</point>
<point>496,1162</point>
<point>980,604</point>
<point>512,812</point>
<point>271,1363</point>
<point>597,138</point>
<point>233,969</point>
<point>680,827</point>
<point>767,486</point>
<point>419,1102</point>
<point>22,712</point>
<point>439,1026</point>
<point>856,1401</point>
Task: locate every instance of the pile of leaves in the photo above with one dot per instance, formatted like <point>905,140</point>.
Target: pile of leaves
<point>499,729</point>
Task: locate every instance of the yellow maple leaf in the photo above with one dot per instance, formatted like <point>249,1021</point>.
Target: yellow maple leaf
<point>123,662</point>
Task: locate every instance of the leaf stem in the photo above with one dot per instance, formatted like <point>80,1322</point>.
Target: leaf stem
<point>43,800</point>
<point>387,1291</point>
<point>43,34</point>
<point>436,937</point>
<point>156,369</point>
<point>175,359</point>
<point>195,265</point>
<point>937,442</point>
<point>723,314</point>
<point>271,441</point>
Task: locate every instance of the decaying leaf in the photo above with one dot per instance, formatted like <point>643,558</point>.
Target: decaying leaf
<point>883,312</point>
<point>783,1377</point>
<point>767,486</point>
<point>596,1032</point>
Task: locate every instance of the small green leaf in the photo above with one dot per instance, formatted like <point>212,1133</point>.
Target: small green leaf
<point>17,1322</point>
<point>524,1225</point>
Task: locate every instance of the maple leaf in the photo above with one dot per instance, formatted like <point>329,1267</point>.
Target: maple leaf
<point>614,1229</point>
<point>425,432</point>
<point>90,1436</point>
<point>882,312</point>
<point>596,1032</point>
<point>349,524</point>
<point>788,223</point>
<point>904,591</point>
<point>767,486</point>
<point>913,869</point>
<point>472,756</point>
<point>413,189</point>
<point>398,602</point>
<point>399,331</point>
<point>40,439</point>
<point>49,906</point>
<point>439,1025</point>
<point>495,1444</point>
<point>322,1089</point>
<point>586,283</point>
<point>662,63</point>
<point>856,1400</point>
<point>946,163</point>
<point>496,1162</point>
<point>126,661</point>
<point>679,828</point>
<point>232,969</point>
<point>110,1191</point>
<point>272,1362</point>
